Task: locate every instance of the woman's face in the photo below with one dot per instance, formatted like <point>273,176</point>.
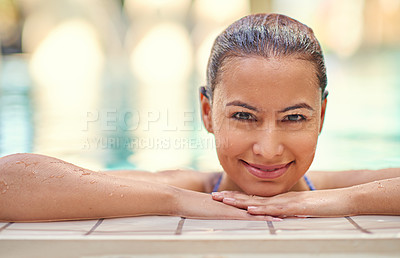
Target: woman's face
<point>266,116</point>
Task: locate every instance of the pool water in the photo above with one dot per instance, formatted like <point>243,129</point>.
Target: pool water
<point>361,130</point>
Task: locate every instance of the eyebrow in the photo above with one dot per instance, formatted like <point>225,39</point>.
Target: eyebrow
<point>242,104</point>
<point>297,106</point>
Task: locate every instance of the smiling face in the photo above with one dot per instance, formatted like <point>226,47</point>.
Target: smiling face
<point>266,117</point>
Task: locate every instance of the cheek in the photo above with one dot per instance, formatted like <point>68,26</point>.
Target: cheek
<point>303,145</point>
<point>230,142</point>
<point>227,140</point>
<point>303,142</point>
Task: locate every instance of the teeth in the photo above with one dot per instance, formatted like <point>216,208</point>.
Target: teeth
<point>268,170</point>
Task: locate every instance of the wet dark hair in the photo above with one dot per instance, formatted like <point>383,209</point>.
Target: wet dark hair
<point>268,36</point>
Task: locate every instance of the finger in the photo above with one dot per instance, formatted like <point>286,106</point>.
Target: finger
<point>234,202</point>
<point>244,215</point>
<point>256,210</point>
<point>268,210</point>
<point>234,194</point>
<point>250,199</point>
<point>263,218</point>
<point>258,217</point>
<point>217,196</point>
<point>243,196</point>
<point>270,218</point>
<point>245,202</point>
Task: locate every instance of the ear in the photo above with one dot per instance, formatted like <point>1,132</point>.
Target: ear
<point>323,109</point>
<point>206,113</point>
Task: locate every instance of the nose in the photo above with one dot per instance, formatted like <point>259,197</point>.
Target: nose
<point>268,143</point>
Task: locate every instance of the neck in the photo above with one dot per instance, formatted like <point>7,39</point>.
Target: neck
<point>301,185</point>
<point>227,184</point>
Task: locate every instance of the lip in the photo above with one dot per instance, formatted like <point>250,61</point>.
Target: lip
<point>266,172</point>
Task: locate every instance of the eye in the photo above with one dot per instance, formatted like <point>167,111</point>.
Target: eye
<point>243,116</point>
<point>294,118</point>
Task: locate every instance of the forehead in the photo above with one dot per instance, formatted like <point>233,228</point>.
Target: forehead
<point>257,79</point>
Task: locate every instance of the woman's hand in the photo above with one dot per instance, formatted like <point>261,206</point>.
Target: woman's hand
<point>322,203</point>
<point>197,205</point>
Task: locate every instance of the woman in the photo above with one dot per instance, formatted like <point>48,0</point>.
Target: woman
<point>265,103</point>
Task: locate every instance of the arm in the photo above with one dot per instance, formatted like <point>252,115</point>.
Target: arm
<point>186,179</point>
<point>340,179</point>
<point>40,188</point>
<point>377,197</point>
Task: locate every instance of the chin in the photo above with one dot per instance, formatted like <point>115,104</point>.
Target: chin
<point>267,190</point>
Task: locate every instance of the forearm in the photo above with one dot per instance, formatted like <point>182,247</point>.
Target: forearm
<point>378,197</point>
<point>37,188</point>
<point>342,179</point>
<point>41,188</point>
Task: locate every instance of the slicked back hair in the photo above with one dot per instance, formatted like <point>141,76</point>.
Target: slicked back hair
<point>268,36</point>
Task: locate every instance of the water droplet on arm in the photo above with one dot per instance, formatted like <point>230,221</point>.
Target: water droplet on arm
<point>22,162</point>
<point>3,187</point>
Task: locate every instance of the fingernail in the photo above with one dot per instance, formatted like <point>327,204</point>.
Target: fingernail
<point>216,194</point>
<point>227,199</point>
<point>252,208</point>
<point>276,219</point>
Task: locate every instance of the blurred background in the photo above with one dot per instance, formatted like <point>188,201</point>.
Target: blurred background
<point>109,84</point>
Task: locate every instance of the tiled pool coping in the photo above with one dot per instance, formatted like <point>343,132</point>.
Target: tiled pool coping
<point>159,236</point>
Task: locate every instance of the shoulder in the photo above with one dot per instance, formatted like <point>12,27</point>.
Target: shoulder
<point>331,179</point>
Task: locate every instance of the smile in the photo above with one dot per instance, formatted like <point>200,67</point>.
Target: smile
<point>266,172</point>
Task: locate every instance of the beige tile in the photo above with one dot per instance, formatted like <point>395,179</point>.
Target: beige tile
<point>76,225</point>
<point>64,228</point>
<point>335,237</point>
<point>22,233</point>
<point>223,225</point>
<point>379,226</point>
<point>369,222</point>
<point>2,224</point>
<point>325,233</point>
<point>387,232</point>
<point>314,224</point>
<point>376,218</point>
<point>138,225</point>
<point>148,232</point>
<point>243,233</point>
